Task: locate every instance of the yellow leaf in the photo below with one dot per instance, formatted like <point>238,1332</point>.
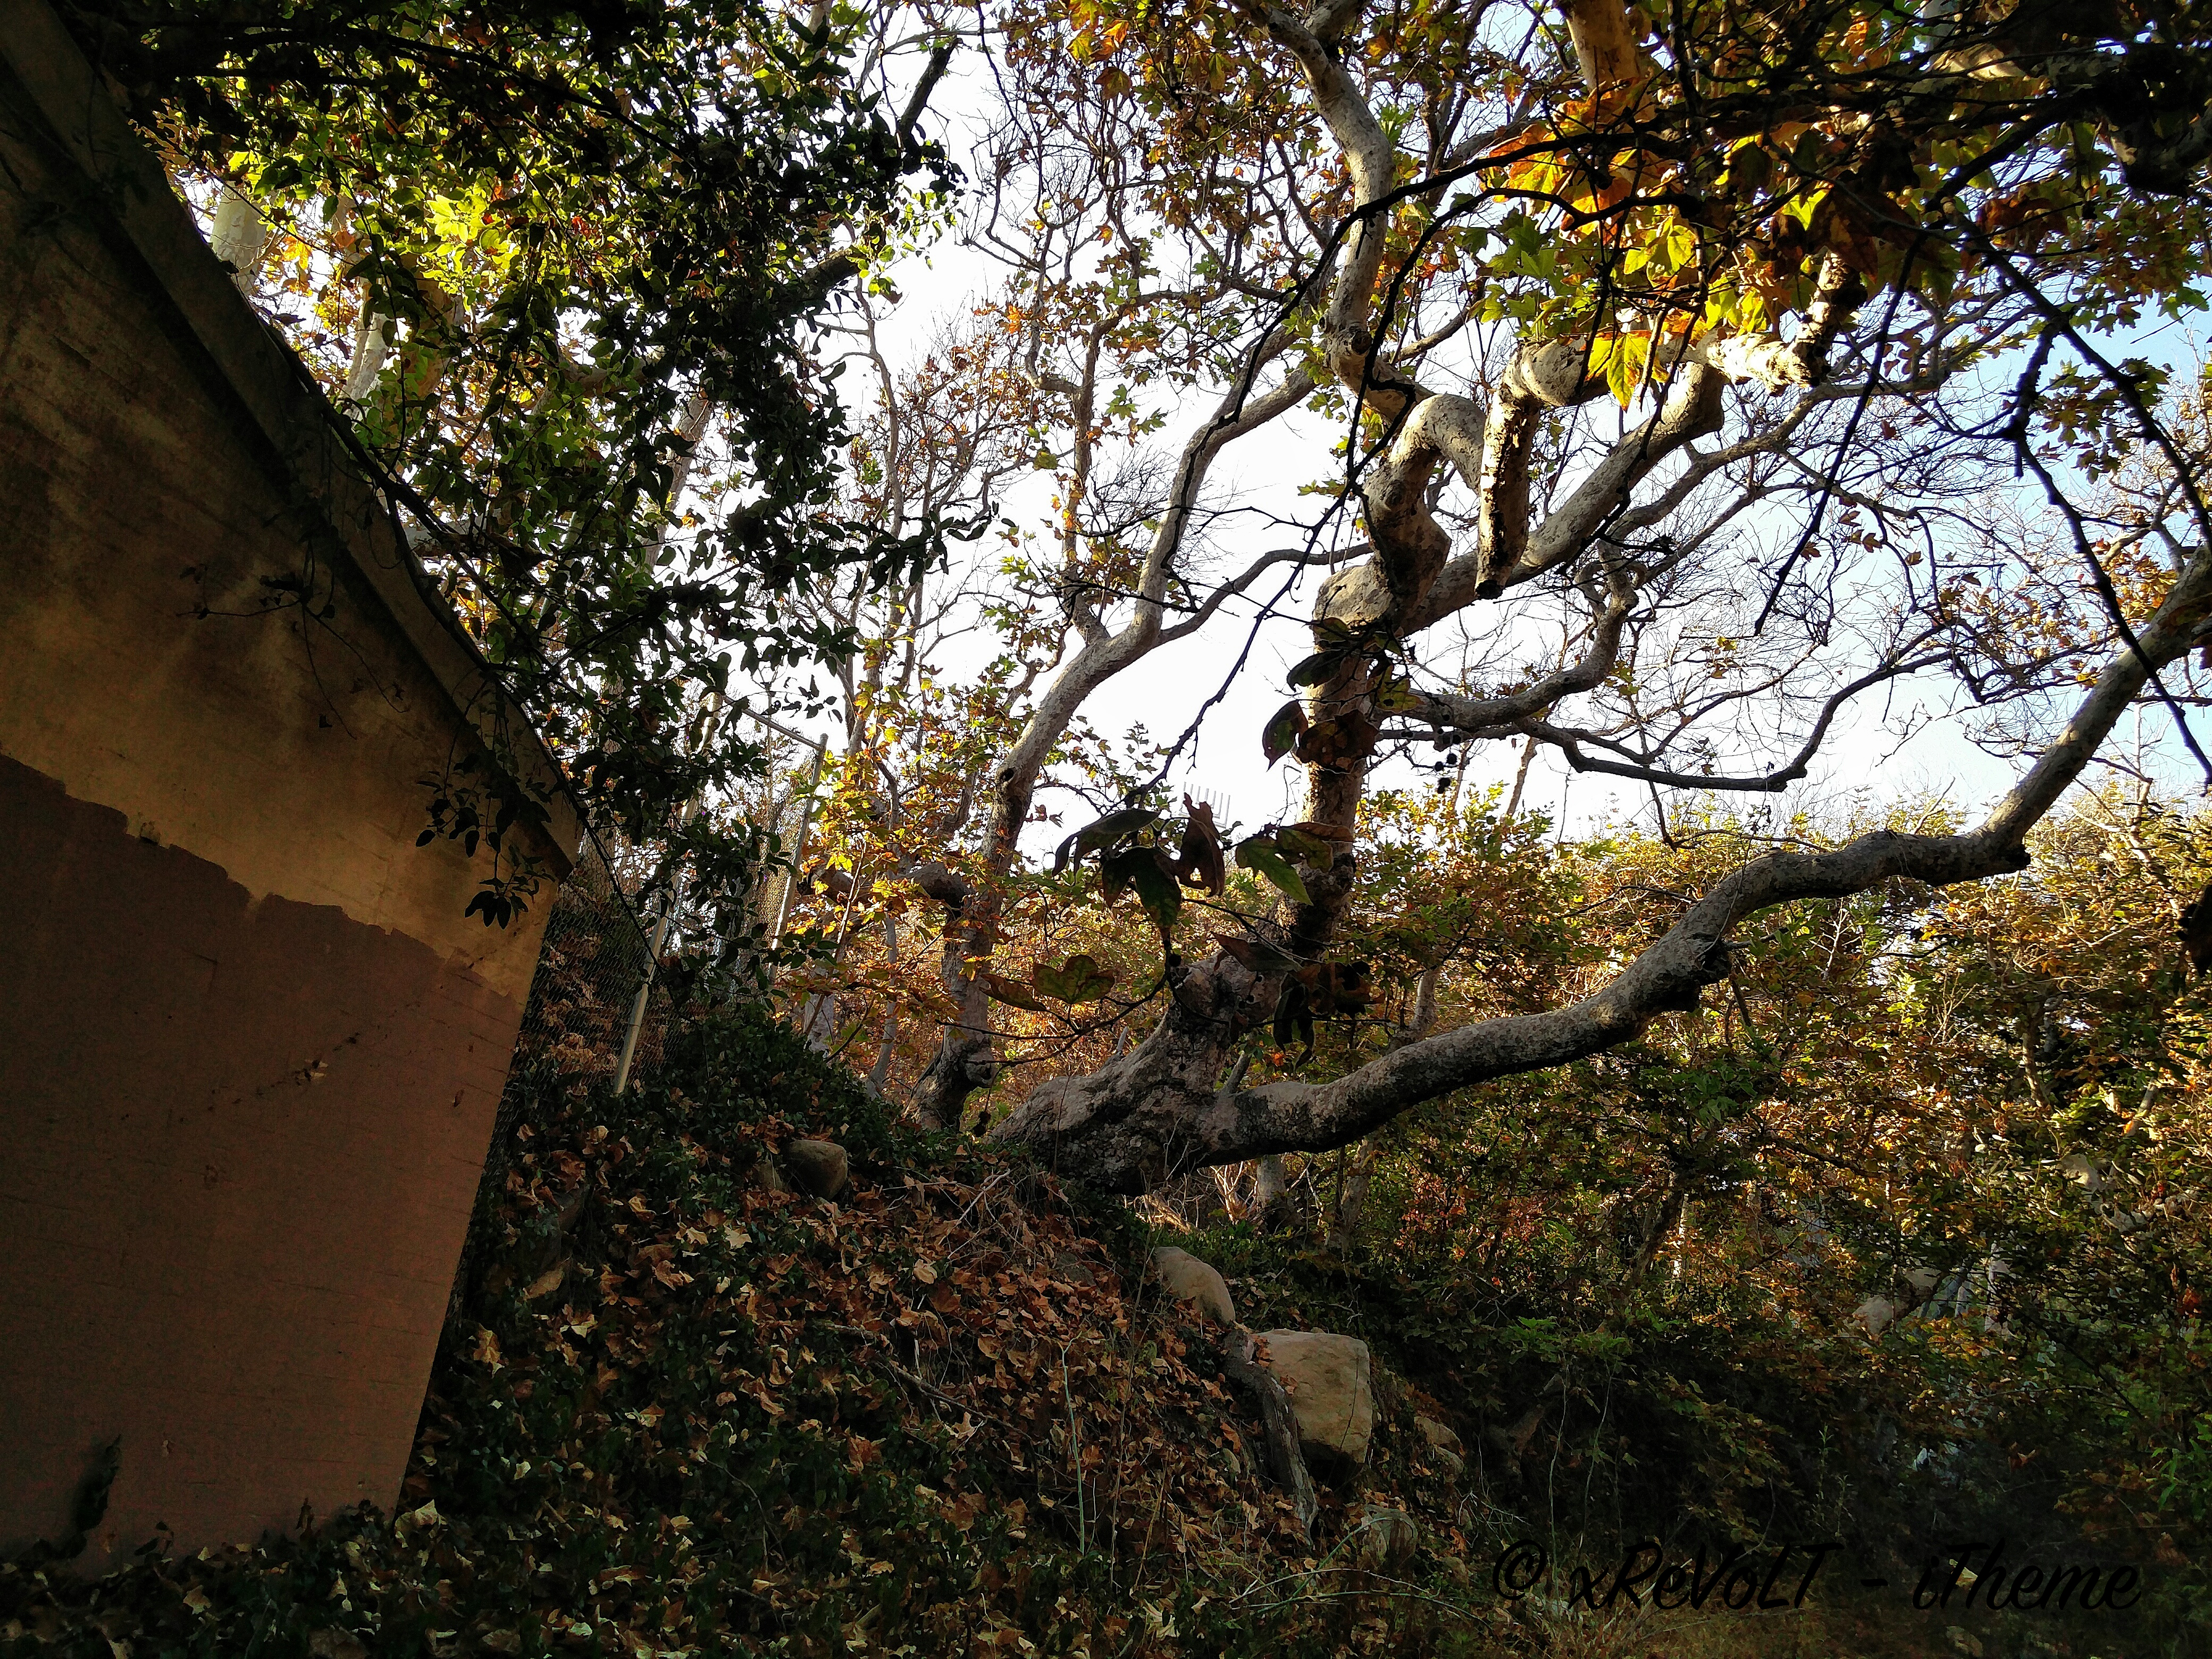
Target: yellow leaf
<point>548,1281</point>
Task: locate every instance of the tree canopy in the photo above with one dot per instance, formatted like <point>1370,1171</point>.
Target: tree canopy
<point>1691,384</point>
<point>1701,379</point>
<point>555,263</point>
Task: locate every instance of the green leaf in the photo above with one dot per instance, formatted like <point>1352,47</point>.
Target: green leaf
<point>1102,834</point>
<point>1397,697</point>
<point>1079,979</point>
<point>1284,726</point>
<point>1302,843</point>
<point>1259,853</point>
<point>1147,870</point>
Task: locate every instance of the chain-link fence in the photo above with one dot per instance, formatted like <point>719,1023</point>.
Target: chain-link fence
<point>599,945</point>
<point>589,969</point>
<point>599,949</point>
<point>594,959</point>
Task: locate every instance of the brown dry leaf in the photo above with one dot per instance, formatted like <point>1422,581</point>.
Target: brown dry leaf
<point>549,1280</point>
<point>486,1351</point>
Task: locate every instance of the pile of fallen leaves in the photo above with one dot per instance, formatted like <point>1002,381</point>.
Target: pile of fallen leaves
<point>684,1411</point>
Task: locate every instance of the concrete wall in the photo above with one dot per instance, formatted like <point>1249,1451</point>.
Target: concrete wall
<point>250,1046</point>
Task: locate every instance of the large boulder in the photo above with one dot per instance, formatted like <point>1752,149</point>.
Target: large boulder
<point>817,1166</point>
<point>1875,1315</point>
<point>1188,1280</point>
<point>1332,1393</point>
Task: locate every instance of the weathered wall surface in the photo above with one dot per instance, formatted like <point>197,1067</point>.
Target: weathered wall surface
<point>250,1046</point>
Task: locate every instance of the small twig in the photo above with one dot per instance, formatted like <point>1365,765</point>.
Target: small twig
<point>929,1389</point>
<point>1075,1452</point>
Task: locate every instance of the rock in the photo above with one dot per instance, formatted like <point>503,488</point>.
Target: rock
<point>817,1167</point>
<point>1188,1280</point>
<point>1875,1315</point>
<point>1385,1540</point>
<point>1443,1445</point>
<point>2083,1170</point>
<point>1327,1378</point>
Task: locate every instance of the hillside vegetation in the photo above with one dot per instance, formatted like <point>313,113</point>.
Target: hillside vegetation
<point>684,1408</point>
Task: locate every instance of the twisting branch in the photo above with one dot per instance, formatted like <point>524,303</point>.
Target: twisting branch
<point>1569,742</point>
<point>1452,717</point>
<point>1155,1112</point>
<point>1290,1116</point>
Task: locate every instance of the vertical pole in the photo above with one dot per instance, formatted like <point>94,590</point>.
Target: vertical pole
<point>644,991</point>
<point>798,846</point>
<point>660,927</point>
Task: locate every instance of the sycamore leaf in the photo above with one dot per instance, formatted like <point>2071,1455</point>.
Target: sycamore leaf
<point>1291,1015</point>
<point>1258,955</point>
<point>1102,834</point>
<point>1301,842</point>
<point>1201,863</point>
<point>1397,697</point>
<point>1258,853</point>
<point>1284,729</point>
<point>1009,991</point>
<point>1147,870</point>
<point>548,1281</point>
<point>1079,979</point>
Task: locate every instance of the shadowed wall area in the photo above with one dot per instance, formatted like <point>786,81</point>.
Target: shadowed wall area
<point>250,1047</point>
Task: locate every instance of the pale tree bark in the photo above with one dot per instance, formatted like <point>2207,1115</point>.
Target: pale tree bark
<point>967,1057</point>
<point>1156,1112</point>
<point>1142,1121</point>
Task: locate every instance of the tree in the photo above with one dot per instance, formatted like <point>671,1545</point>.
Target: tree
<point>1601,315</point>
<point>558,266</point>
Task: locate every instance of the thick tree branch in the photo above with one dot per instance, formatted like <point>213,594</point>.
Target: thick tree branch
<point>1469,717</point>
<point>1156,1112</point>
<point>1287,1116</point>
